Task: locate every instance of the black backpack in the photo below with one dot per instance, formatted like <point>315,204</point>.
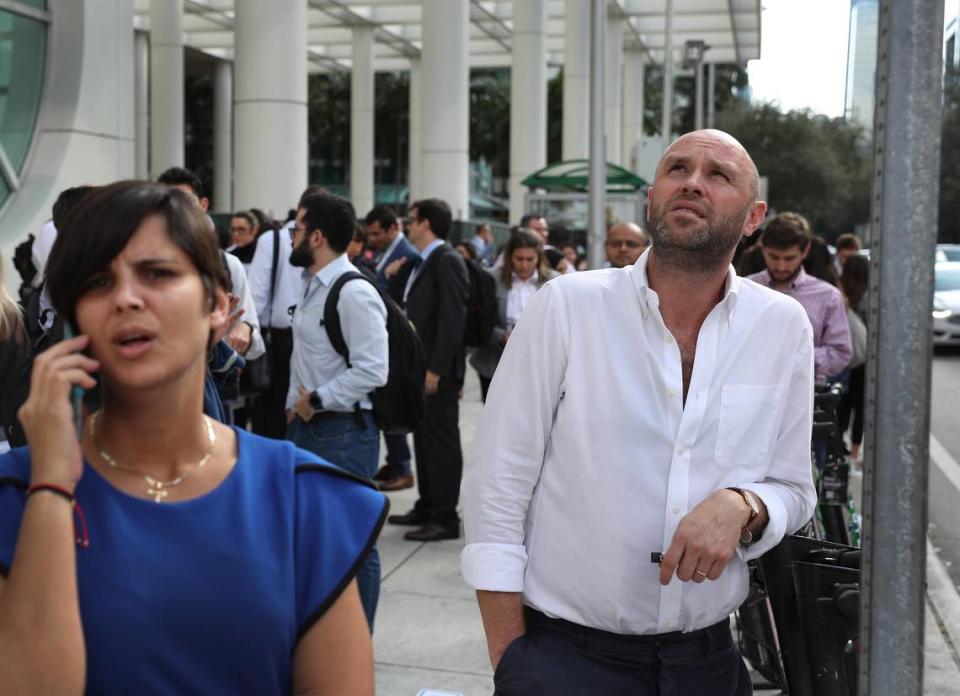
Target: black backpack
<point>481,305</point>
<point>399,405</point>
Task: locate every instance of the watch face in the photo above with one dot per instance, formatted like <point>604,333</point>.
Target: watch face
<point>746,536</point>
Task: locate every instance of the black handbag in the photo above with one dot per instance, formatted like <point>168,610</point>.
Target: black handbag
<point>258,373</point>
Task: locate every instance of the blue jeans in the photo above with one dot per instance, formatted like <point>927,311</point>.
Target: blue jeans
<point>398,454</point>
<point>341,441</point>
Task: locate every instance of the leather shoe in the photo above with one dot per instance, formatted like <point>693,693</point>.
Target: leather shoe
<point>397,483</point>
<point>413,518</point>
<point>384,474</point>
<point>433,532</point>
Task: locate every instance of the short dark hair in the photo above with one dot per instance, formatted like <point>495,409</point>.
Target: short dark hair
<point>102,224</point>
<point>177,176</point>
<point>437,213</point>
<point>847,240</point>
<point>332,215</point>
<point>264,221</point>
<point>383,215</point>
<point>525,220</point>
<point>311,190</point>
<point>787,230</point>
<point>66,201</point>
<point>360,233</point>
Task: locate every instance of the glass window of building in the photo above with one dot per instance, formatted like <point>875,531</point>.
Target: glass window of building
<point>23,38</point>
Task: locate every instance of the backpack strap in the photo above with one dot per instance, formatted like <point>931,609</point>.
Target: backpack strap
<point>273,275</point>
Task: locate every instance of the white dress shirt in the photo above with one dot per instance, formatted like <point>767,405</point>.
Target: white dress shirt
<point>587,457</point>
<point>238,279</point>
<point>363,319</point>
<point>289,286</point>
<point>519,295</point>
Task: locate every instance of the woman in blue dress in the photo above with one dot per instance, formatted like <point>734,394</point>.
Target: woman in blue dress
<point>165,553</point>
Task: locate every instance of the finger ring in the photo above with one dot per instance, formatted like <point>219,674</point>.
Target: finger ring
<point>700,573</point>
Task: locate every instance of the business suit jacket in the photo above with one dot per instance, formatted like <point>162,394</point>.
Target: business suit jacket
<point>403,250</point>
<point>485,357</point>
<point>437,306</point>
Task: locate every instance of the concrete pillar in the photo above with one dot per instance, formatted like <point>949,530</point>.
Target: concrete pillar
<point>528,98</point>
<point>270,103</point>
<point>141,120</point>
<point>698,97</point>
<point>711,94</point>
<point>576,80</point>
<point>613,92</point>
<point>414,177</point>
<point>361,120</point>
<point>634,74</point>
<point>223,137</point>
<point>666,128</point>
<point>166,85</point>
<point>445,119</point>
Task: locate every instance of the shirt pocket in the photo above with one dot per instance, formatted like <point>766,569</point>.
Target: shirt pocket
<point>748,415</point>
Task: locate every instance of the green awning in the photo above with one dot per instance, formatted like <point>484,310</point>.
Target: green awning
<point>572,175</point>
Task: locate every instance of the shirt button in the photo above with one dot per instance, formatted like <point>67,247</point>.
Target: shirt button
<point>675,511</point>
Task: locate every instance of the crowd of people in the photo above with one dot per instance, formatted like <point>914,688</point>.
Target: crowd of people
<point>207,404</point>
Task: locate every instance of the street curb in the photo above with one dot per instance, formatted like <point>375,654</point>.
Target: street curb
<point>944,598</point>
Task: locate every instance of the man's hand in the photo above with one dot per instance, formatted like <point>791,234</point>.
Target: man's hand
<point>391,268</point>
<point>235,312</point>
<point>302,405</point>
<point>431,382</point>
<point>502,614</point>
<point>706,539</point>
<point>240,336</point>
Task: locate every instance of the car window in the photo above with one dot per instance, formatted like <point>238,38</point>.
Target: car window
<point>947,279</point>
<point>952,254</point>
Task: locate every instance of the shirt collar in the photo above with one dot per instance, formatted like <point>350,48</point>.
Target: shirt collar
<point>392,245</point>
<point>332,270</point>
<point>649,299</point>
<point>425,254</point>
<point>532,280</point>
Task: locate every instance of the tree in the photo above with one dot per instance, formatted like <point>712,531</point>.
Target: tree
<point>816,166</point>
<point>949,229</point>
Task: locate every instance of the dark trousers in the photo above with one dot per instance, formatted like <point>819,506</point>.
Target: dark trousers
<point>269,409</point>
<point>563,659</point>
<point>398,454</point>
<point>851,404</point>
<point>439,459</point>
<point>484,386</point>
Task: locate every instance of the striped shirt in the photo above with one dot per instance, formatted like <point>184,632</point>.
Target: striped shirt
<point>832,348</point>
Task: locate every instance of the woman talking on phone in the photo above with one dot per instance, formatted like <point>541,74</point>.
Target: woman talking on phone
<point>164,552</point>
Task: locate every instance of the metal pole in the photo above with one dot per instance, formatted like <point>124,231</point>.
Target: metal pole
<point>667,117</point>
<point>698,97</point>
<point>711,94</point>
<point>597,176</point>
<point>907,163</point>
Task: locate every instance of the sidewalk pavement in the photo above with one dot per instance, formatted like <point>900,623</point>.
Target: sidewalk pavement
<point>429,635</point>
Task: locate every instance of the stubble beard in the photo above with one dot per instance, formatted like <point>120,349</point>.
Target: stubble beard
<point>700,251</point>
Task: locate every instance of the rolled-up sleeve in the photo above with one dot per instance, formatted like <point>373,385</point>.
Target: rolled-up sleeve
<point>511,439</point>
<point>788,490</point>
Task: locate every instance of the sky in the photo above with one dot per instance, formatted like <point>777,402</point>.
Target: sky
<point>803,55</point>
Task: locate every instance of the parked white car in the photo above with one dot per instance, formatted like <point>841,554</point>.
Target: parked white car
<point>946,304</point>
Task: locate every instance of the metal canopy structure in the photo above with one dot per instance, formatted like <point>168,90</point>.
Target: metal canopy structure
<point>730,28</point>
<point>572,176</point>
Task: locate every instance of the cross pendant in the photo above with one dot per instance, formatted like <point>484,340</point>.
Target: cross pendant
<point>158,493</point>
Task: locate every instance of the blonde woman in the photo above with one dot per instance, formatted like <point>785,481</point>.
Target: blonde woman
<point>14,352</point>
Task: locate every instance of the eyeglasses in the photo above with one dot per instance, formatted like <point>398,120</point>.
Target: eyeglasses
<point>294,230</point>
<point>624,243</point>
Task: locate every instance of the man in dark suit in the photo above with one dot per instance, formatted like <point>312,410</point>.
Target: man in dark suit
<point>435,295</point>
<point>389,245</point>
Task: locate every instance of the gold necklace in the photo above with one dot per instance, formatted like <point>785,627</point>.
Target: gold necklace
<point>156,489</point>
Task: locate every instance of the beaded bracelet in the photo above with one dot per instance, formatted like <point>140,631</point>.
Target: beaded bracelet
<point>83,539</point>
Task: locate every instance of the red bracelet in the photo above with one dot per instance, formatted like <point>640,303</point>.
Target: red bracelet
<point>83,539</point>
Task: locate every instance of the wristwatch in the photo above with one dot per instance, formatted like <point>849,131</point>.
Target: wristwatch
<point>315,402</point>
<point>746,534</point>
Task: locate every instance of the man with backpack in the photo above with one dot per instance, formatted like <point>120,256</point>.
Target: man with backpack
<point>330,410</point>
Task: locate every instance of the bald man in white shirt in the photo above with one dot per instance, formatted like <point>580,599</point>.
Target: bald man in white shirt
<point>665,407</point>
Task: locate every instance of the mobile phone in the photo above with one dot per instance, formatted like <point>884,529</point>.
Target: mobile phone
<point>76,393</point>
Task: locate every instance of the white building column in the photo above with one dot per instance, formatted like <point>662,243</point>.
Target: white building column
<point>711,94</point>
<point>141,99</point>
<point>613,94</point>
<point>576,80</point>
<point>166,85</point>
<point>528,98</point>
<point>445,119</point>
<point>223,137</point>
<point>666,121</point>
<point>634,76</point>
<point>415,144</point>
<point>361,120</point>
<point>270,103</point>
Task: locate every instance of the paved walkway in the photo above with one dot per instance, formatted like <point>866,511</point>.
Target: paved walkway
<point>428,631</point>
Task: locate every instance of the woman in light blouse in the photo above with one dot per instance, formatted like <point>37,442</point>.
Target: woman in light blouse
<point>523,271</point>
